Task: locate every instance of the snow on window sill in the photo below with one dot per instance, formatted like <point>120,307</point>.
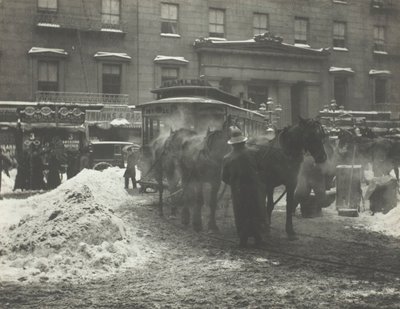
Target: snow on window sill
<point>170,35</point>
<point>49,25</point>
<point>340,49</point>
<point>212,38</point>
<point>111,30</point>
<point>380,52</point>
<point>302,45</point>
<point>340,2</point>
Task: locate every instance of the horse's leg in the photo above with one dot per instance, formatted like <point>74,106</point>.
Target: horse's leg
<point>185,205</point>
<point>160,198</point>
<point>212,223</point>
<point>270,205</point>
<point>289,210</point>
<point>396,171</point>
<point>198,203</point>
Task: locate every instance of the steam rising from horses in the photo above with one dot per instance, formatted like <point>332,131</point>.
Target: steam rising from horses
<point>184,118</point>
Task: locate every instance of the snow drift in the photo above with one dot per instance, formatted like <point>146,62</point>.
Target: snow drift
<point>72,231</point>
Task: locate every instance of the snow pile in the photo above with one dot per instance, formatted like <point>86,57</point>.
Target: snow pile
<point>388,224</point>
<point>72,231</point>
<point>7,183</point>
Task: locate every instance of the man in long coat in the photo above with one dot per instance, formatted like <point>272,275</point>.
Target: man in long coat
<point>130,172</point>
<point>240,173</point>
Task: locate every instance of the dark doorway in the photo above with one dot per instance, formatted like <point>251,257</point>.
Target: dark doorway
<point>296,93</point>
<point>340,90</point>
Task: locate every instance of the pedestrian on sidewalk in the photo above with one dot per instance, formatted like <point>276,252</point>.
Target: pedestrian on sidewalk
<point>130,172</point>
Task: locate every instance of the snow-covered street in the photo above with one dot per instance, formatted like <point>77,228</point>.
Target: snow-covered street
<point>91,243</point>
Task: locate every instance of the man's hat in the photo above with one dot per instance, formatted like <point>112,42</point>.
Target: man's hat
<point>236,136</point>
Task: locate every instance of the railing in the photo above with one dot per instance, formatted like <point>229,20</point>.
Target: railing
<point>81,98</point>
<point>57,20</point>
<point>386,107</point>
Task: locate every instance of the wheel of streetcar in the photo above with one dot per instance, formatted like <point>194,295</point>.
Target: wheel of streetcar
<point>101,166</point>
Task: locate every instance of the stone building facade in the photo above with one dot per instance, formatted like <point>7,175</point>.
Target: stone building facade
<point>115,51</point>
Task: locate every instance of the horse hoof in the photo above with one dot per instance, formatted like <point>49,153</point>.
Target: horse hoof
<point>197,227</point>
<point>213,228</point>
<point>185,218</point>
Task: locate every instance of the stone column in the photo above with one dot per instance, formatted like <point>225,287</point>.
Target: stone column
<point>314,102</point>
<point>284,100</point>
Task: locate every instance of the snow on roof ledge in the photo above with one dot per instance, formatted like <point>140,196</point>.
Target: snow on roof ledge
<point>40,50</point>
<point>380,72</point>
<point>124,56</point>
<point>340,70</point>
<point>163,59</point>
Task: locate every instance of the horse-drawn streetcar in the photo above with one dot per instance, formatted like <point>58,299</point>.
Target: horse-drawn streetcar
<point>186,130</point>
<point>195,105</point>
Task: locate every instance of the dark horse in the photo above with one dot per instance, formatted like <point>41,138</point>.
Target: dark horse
<point>280,159</point>
<point>201,163</point>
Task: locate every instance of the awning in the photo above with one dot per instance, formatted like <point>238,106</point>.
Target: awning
<point>380,72</point>
<point>170,60</point>
<point>112,55</point>
<point>341,70</point>
<point>47,51</point>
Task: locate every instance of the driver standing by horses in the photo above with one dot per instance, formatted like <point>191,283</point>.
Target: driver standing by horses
<point>240,173</point>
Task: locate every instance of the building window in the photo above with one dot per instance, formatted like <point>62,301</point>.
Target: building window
<point>379,38</point>
<point>169,74</point>
<point>340,90</point>
<point>217,23</point>
<point>257,94</point>
<point>47,5</point>
<point>110,12</point>
<point>339,34</point>
<point>47,76</point>
<point>300,30</point>
<point>260,23</point>
<point>380,90</point>
<point>169,18</point>
<point>111,78</point>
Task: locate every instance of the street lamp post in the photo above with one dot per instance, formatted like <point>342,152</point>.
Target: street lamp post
<point>271,113</point>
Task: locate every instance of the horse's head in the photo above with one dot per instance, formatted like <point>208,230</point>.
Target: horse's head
<point>313,137</point>
<point>215,142</point>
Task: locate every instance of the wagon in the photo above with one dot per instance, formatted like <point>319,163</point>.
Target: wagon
<point>105,154</point>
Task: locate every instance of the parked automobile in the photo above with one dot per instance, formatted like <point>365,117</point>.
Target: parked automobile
<point>109,153</point>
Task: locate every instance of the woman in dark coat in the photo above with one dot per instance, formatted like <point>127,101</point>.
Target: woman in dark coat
<point>22,178</point>
<point>240,173</point>
<point>36,169</point>
<point>53,178</point>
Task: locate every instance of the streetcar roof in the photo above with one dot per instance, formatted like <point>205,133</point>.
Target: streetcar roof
<point>195,100</point>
